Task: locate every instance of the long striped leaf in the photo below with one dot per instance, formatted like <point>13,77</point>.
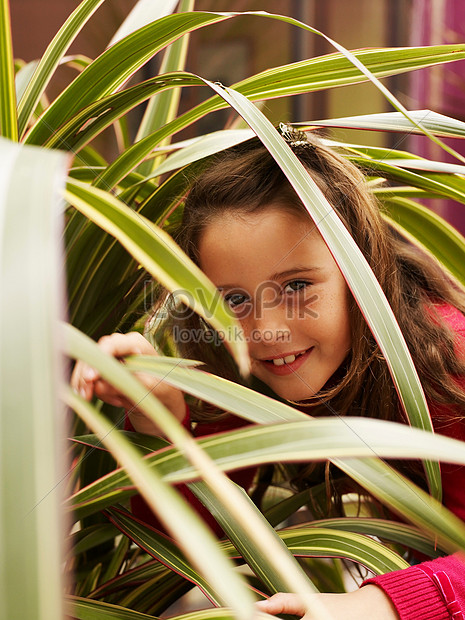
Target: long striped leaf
<point>314,74</point>
<point>322,542</point>
<point>91,536</point>
<point>128,580</point>
<point>108,72</point>
<point>392,531</point>
<point>178,517</point>
<point>432,231</point>
<point>161,548</point>
<point>302,541</point>
<point>441,185</point>
<point>144,12</point>
<point>87,123</point>
<point>164,107</point>
<point>438,124</point>
<point>114,67</point>
<point>306,76</point>
<point>80,347</point>
<point>86,609</point>
<point>51,59</point>
<point>158,594</point>
<point>299,441</point>
<point>8,120</point>
<point>202,147</point>
<point>225,394</point>
<point>30,494</point>
<point>257,557</point>
<point>345,441</point>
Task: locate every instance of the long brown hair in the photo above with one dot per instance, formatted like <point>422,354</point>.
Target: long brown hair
<point>245,179</point>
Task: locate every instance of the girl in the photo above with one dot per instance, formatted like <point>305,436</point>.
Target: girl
<point>245,227</point>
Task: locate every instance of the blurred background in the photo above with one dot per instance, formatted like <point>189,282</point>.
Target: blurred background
<point>233,50</point>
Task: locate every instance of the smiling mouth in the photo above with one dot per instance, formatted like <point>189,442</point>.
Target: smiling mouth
<point>286,360</point>
<point>289,359</point>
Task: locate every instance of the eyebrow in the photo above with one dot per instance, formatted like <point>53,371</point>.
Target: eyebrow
<point>294,271</point>
<point>277,276</point>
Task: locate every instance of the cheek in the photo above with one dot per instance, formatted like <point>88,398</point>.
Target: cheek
<point>339,319</point>
<point>346,325</point>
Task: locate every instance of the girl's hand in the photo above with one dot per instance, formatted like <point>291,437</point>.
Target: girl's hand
<point>367,602</point>
<point>87,382</point>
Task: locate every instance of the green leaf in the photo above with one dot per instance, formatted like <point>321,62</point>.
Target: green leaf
<point>438,124</point>
<point>257,556</point>
<point>87,609</point>
<point>441,185</point>
<point>309,75</point>
<point>345,441</point>
<point>91,536</point>
<point>117,560</point>
<point>163,108</point>
<point>178,517</point>
<point>426,165</point>
<point>118,63</point>
<point>91,120</point>
<point>161,548</point>
<point>51,59</point>
<point>355,269</point>
<point>392,531</point>
<point>322,542</point>
<point>30,525</point>
<point>157,594</point>
<point>79,346</point>
<point>144,12</point>
<point>159,254</point>
<point>431,231</point>
<point>301,541</point>
<point>334,70</point>
<point>283,509</point>
<point>23,77</point>
<point>128,581</point>
<point>8,120</point>
<point>225,394</point>
<point>114,67</point>
<point>208,144</point>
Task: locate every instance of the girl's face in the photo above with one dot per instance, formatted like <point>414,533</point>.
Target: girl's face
<point>276,273</point>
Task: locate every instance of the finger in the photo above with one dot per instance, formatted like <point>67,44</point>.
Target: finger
<point>82,379</point>
<point>106,392</point>
<point>282,603</point>
<point>121,345</point>
<point>84,390</point>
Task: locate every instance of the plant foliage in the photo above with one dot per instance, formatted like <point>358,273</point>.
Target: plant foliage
<point>115,216</point>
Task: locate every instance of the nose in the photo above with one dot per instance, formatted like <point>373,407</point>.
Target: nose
<point>269,326</point>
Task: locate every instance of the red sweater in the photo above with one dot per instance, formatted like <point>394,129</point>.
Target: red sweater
<point>432,590</point>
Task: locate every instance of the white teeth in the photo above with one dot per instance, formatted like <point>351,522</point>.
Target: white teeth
<point>280,361</point>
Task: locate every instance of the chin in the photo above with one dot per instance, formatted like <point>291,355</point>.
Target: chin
<point>294,395</point>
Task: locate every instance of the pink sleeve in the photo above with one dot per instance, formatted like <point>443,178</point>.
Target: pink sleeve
<point>432,590</point>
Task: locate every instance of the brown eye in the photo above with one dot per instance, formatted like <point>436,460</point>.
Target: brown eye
<point>295,286</point>
<point>235,299</point>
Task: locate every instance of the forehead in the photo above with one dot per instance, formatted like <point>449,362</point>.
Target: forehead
<point>271,240</point>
